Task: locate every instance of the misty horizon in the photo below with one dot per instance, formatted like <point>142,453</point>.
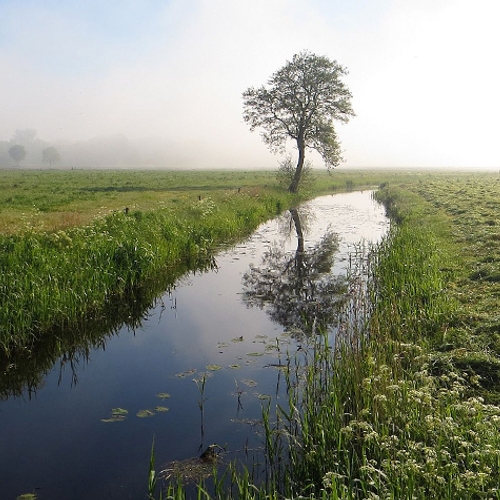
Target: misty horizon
<point>162,82</point>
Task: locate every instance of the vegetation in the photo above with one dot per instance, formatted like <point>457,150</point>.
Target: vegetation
<point>403,403</point>
<point>17,153</point>
<point>50,155</point>
<point>301,103</point>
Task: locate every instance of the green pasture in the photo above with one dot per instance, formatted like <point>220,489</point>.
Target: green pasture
<point>402,405</point>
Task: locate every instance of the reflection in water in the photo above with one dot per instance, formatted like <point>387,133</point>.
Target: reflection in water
<point>297,289</point>
<point>23,372</point>
<point>92,439</point>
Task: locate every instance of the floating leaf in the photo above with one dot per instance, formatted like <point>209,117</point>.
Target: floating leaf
<point>263,396</point>
<point>249,382</point>
<point>261,336</point>
<point>220,345</point>
<point>145,413</point>
<point>255,353</point>
<point>27,496</point>
<point>237,339</point>
<point>117,415</point>
<point>234,367</point>
<point>163,395</point>
<point>161,409</point>
<point>214,368</point>
<point>186,373</point>
<point>119,411</point>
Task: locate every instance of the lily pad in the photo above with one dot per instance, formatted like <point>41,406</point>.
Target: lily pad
<point>238,339</point>
<point>213,368</point>
<point>250,382</point>
<point>234,367</point>
<point>117,415</point>
<point>160,409</point>
<point>163,395</point>
<point>255,353</point>
<point>186,373</point>
<point>145,413</point>
<point>263,396</point>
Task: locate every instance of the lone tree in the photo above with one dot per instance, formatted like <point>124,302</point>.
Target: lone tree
<point>17,153</point>
<point>301,102</point>
<point>50,155</point>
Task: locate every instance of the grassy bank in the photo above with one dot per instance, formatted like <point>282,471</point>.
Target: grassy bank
<point>54,280</point>
<point>400,413</point>
<point>403,406</point>
<point>72,243</point>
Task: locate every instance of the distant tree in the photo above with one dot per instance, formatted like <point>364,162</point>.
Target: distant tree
<point>301,102</point>
<point>50,155</point>
<point>18,153</point>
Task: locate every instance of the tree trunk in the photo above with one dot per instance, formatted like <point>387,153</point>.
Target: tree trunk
<point>294,186</point>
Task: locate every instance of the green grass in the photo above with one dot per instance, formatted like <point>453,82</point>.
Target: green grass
<point>402,405</point>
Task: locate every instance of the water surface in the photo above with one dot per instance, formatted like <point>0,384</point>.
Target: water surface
<point>231,325</point>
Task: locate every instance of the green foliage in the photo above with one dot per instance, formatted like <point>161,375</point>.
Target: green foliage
<point>301,102</point>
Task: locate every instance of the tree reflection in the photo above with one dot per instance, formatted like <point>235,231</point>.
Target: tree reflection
<point>298,289</point>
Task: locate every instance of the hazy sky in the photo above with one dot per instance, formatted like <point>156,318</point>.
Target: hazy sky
<point>425,74</point>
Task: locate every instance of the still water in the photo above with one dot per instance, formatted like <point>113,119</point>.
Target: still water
<point>195,372</point>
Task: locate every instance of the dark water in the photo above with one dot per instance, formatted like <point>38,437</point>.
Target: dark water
<point>231,326</point>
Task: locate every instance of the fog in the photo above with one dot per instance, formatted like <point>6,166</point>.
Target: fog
<point>151,84</point>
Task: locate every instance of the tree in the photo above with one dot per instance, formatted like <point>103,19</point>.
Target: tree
<point>50,155</point>
<point>18,153</point>
<point>301,102</point>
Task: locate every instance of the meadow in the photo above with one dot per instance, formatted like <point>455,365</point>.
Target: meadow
<point>73,243</point>
<point>404,404</point>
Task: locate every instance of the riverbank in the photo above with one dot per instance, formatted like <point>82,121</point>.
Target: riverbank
<point>76,245</point>
<point>405,407</point>
<point>409,411</point>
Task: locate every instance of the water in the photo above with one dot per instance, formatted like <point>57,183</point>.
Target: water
<point>64,441</point>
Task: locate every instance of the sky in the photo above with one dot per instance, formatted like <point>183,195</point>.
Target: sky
<point>424,74</point>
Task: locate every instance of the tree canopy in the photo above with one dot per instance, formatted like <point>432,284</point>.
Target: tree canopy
<point>50,155</point>
<point>301,102</point>
<point>17,153</point>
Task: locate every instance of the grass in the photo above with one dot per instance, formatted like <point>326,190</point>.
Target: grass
<point>402,404</point>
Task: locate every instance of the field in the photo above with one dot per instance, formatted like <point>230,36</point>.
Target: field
<point>76,243</point>
<point>403,406</point>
